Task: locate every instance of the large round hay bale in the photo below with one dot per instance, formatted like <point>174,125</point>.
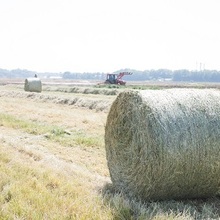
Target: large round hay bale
<point>33,85</point>
<point>165,144</point>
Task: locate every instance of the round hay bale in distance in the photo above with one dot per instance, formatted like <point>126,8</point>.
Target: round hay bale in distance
<point>165,144</point>
<point>33,85</point>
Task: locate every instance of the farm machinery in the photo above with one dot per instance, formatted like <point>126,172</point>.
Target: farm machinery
<point>116,78</point>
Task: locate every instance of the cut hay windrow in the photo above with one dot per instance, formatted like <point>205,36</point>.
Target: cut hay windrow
<point>165,144</point>
<point>33,85</point>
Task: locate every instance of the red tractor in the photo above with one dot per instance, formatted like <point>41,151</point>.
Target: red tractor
<point>116,78</point>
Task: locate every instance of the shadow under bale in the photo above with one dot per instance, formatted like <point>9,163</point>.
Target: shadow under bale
<point>126,208</point>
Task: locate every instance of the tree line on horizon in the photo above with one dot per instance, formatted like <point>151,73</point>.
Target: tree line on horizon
<point>153,75</point>
<point>146,75</point>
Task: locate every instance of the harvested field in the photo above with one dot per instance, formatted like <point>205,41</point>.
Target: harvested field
<point>53,162</point>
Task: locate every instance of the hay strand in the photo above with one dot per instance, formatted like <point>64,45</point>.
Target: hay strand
<point>165,144</point>
<point>33,85</point>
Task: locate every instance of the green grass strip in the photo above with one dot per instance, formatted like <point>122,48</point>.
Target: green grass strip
<point>51,132</point>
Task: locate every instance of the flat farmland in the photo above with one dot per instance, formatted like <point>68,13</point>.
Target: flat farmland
<point>53,163</point>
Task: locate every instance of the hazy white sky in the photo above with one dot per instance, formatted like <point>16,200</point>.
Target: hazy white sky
<point>107,35</point>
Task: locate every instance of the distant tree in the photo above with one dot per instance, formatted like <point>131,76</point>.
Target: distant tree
<point>197,76</point>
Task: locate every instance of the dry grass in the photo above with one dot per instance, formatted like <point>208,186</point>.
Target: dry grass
<point>92,102</point>
<point>35,192</point>
<point>83,90</point>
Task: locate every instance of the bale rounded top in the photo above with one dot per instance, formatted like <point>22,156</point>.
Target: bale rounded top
<point>163,144</point>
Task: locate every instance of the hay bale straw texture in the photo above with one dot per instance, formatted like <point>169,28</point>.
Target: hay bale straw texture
<point>33,85</point>
<point>165,144</point>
